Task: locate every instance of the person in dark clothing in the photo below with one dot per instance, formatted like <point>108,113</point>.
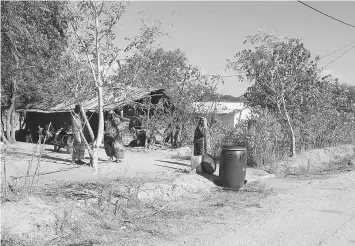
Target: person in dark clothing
<point>113,137</point>
<point>201,138</point>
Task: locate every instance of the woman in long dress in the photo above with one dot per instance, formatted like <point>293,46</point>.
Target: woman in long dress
<point>78,143</point>
<point>201,138</point>
<point>113,137</point>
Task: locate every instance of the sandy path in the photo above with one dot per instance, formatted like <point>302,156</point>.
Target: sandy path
<point>57,166</point>
<point>150,165</point>
<point>301,212</point>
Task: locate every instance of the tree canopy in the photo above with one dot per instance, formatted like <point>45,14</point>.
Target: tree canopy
<point>33,33</point>
<point>287,82</point>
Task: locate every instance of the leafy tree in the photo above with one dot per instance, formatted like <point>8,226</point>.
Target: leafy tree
<point>348,103</point>
<point>31,34</point>
<point>279,67</point>
<point>183,83</point>
<point>92,43</point>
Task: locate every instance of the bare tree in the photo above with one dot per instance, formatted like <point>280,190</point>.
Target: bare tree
<point>92,43</point>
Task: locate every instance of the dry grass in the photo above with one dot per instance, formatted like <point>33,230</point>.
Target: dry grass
<point>10,239</point>
<point>22,186</point>
<point>314,161</point>
<point>108,212</point>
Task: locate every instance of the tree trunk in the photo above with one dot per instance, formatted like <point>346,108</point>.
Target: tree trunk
<point>99,83</point>
<point>9,117</point>
<point>86,144</point>
<point>100,131</point>
<point>95,159</point>
<point>2,136</point>
<point>293,138</point>
<point>87,124</point>
<point>9,120</point>
<point>13,130</point>
<point>147,126</point>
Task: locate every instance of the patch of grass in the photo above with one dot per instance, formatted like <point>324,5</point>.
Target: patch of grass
<point>9,239</point>
<point>185,171</point>
<point>65,222</point>
<point>109,210</point>
<point>328,168</point>
<point>109,213</point>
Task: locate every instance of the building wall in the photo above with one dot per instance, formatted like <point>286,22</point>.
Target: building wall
<point>233,118</point>
<point>228,119</point>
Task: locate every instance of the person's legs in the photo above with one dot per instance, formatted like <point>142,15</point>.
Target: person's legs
<point>81,153</point>
<point>77,153</point>
<point>119,150</point>
<point>198,147</point>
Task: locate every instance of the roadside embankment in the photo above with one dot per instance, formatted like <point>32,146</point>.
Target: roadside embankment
<point>316,160</point>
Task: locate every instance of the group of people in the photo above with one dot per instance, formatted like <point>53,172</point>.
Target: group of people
<point>112,137</point>
<point>173,135</point>
<point>113,145</point>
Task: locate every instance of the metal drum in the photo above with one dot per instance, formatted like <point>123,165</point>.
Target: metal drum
<point>232,168</point>
<point>208,164</point>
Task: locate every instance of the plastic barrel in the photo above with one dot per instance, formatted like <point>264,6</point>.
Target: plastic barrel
<point>232,168</point>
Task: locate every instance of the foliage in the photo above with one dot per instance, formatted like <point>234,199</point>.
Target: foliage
<point>287,82</point>
<point>32,33</point>
<point>92,45</point>
<point>292,105</point>
<point>169,70</point>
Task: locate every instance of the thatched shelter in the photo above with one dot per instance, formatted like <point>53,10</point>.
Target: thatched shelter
<point>124,101</point>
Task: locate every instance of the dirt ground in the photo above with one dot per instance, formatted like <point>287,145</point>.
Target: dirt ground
<point>317,210</point>
<point>56,166</point>
<point>165,185</point>
<point>73,207</point>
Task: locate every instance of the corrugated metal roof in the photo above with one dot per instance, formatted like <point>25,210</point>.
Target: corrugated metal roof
<point>112,99</point>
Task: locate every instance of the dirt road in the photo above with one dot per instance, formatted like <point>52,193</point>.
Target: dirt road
<point>317,211</point>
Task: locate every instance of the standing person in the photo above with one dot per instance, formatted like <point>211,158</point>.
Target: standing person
<point>40,134</point>
<point>177,136</point>
<point>168,135</point>
<point>28,136</point>
<point>78,143</point>
<point>201,138</point>
<point>113,137</point>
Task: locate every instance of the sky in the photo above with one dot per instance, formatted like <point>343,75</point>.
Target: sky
<point>210,32</point>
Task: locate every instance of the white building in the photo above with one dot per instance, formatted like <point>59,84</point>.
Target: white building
<point>231,112</point>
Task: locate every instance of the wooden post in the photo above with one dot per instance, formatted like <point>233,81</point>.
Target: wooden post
<point>147,124</point>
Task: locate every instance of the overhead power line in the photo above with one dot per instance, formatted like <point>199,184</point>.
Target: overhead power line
<point>326,14</point>
<point>337,50</point>
<point>340,55</point>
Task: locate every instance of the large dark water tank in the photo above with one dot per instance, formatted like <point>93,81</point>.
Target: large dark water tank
<point>232,167</point>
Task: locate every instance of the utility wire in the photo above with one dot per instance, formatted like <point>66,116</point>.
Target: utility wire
<point>325,14</point>
<point>337,50</point>
<point>340,56</point>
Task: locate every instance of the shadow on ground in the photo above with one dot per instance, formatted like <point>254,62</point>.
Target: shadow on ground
<point>211,177</point>
<point>174,162</point>
<point>332,211</point>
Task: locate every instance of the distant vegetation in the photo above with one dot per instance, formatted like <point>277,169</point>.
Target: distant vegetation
<point>294,108</point>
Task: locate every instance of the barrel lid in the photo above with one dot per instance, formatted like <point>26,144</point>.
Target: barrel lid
<point>233,147</point>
